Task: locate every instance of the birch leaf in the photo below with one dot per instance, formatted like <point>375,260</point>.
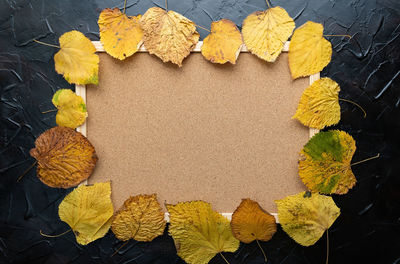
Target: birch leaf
<point>71,108</point>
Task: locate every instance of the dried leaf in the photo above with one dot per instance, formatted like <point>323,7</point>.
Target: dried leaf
<point>71,108</point>
<point>88,211</point>
<point>65,157</point>
<point>309,51</point>
<point>305,218</point>
<point>140,218</point>
<point>224,42</point>
<point>76,60</point>
<point>199,232</point>
<point>319,104</point>
<point>324,164</point>
<point>121,35</point>
<point>265,32</point>
<point>168,35</point>
<point>250,222</point>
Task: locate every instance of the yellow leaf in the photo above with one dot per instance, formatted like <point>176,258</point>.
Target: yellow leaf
<point>140,218</point>
<point>309,51</point>
<point>250,222</point>
<point>71,108</point>
<point>199,232</point>
<point>224,42</point>
<point>319,104</point>
<point>76,59</point>
<point>121,35</point>
<point>65,157</point>
<point>305,216</point>
<point>88,211</point>
<point>265,32</point>
<point>168,35</point>
<point>324,164</point>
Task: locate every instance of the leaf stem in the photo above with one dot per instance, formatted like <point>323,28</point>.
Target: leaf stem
<point>347,36</point>
<point>124,7</point>
<point>269,6</point>
<point>354,103</point>
<point>166,5</point>
<point>46,44</point>
<point>327,246</point>
<point>364,160</point>
<point>26,171</point>
<point>203,28</point>
<point>45,235</point>
<point>49,111</point>
<point>224,258</point>
<point>123,245</point>
<point>262,250</point>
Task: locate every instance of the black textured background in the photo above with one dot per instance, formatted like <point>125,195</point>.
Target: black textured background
<point>367,67</point>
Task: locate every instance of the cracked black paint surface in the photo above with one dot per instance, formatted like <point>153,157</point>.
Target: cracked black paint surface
<point>367,67</point>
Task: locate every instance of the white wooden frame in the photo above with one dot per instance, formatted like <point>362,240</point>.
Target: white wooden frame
<point>81,91</point>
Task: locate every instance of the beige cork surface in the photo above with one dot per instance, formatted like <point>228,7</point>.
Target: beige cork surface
<point>209,132</point>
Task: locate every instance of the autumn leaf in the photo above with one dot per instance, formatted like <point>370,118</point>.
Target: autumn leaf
<point>324,164</point>
<point>224,42</point>
<point>305,217</point>
<point>168,35</point>
<point>71,108</point>
<point>88,211</point>
<point>65,157</point>
<point>250,222</point>
<point>319,104</point>
<point>76,60</point>
<point>265,32</point>
<point>199,232</point>
<point>121,35</point>
<point>140,218</point>
<point>309,51</point>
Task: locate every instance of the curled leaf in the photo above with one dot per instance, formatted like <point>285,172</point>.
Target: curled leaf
<point>65,157</point>
<point>319,104</point>
<point>324,164</point>
<point>76,60</point>
<point>265,32</point>
<point>250,222</point>
<point>224,42</point>
<point>88,211</point>
<point>168,35</point>
<point>309,51</point>
<point>199,232</point>
<point>71,108</point>
<point>140,218</point>
<point>121,35</point>
<point>305,218</point>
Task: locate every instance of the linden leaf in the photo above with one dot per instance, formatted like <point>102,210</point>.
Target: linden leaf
<point>121,35</point>
<point>76,60</point>
<point>88,211</point>
<point>168,35</point>
<point>319,104</point>
<point>199,232</point>
<point>250,222</point>
<point>65,157</point>
<point>309,51</point>
<point>324,164</point>
<point>140,218</point>
<point>224,42</point>
<point>305,218</point>
<point>71,108</point>
<point>265,32</point>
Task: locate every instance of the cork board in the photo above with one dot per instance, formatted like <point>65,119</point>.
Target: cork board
<point>209,132</point>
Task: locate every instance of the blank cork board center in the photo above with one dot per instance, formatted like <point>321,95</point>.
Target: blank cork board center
<point>217,133</point>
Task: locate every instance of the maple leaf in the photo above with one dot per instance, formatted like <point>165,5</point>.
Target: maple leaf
<point>319,104</point>
<point>199,232</point>
<point>324,164</point>
<point>71,108</point>
<point>309,51</point>
<point>76,60</point>
<point>265,32</point>
<point>224,42</point>
<point>140,218</point>
<point>168,35</point>
<point>121,35</point>
<point>65,157</point>
<point>88,211</point>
